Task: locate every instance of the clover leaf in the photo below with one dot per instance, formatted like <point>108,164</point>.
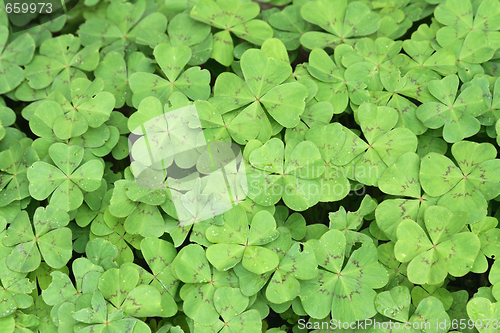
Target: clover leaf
<point>101,252</point>
<point>373,62</point>
<point>395,304</point>
<point>121,25</point>
<point>13,166</point>
<point>396,17</point>
<point>350,222</point>
<point>122,288</point>
<point>289,26</point>
<point>193,82</point>
<point>15,295</point>
<point>418,293</point>
<point>488,235</point>
<point>90,106</point>
<point>447,251</point>
<point>480,309</point>
<point>459,19</point>
<point>234,16</point>
<point>334,86</point>
<point>7,118</point>
<point>111,228</point>
<point>99,318</point>
<point>421,54</point>
<point>140,218</point>
<point>289,172</point>
<point>345,291</point>
<point>299,263</point>
<point>295,222</point>
<point>494,279</point>
<point>402,179</point>
<point>344,21</point>
<point>159,254</point>
<point>395,269</point>
<point>250,283</point>
<point>459,308</point>
<point>51,239</point>
<point>467,187</point>
<point>183,30</point>
<point>385,144</point>
<point>237,241</point>
<point>191,267</point>
<point>59,61</point>
<point>66,179</point>
<point>456,115</point>
<point>58,119</point>
<point>231,304</point>
<point>217,127</point>
<point>17,53</point>
<point>116,72</point>
<point>263,88</point>
<point>330,140</point>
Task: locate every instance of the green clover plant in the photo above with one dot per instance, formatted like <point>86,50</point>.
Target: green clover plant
<point>202,166</point>
<point>237,17</point>
<point>447,251</point>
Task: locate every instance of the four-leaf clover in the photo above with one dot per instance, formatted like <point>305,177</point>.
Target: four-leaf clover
<point>66,179</point>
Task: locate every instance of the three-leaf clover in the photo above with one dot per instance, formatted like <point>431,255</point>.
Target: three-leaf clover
<point>330,139</point>
<point>193,82</point>
<point>373,62</point>
<point>15,295</point>
<point>447,251</point>
<point>111,228</point>
<point>51,238</point>
<point>234,16</point>
<point>422,55</point>
<point>66,179</point>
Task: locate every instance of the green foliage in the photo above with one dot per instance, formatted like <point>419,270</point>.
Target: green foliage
<point>196,166</point>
